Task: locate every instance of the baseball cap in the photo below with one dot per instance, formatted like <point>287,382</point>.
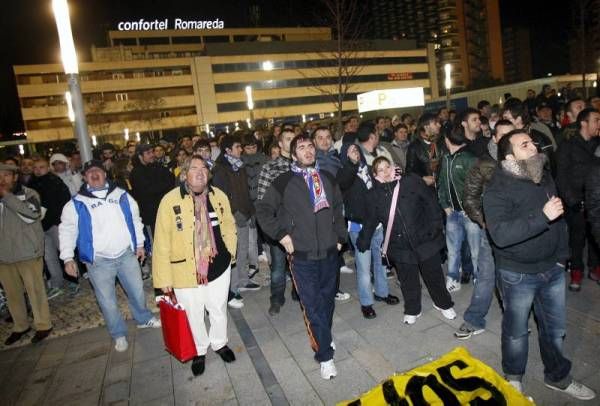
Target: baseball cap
<point>58,158</point>
<point>94,163</point>
<point>543,104</point>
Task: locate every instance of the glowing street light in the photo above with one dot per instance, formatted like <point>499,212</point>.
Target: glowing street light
<point>94,141</point>
<point>69,60</point>
<point>138,138</point>
<point>250,102</point>
<point>126,134</point>
<point>448,83</point>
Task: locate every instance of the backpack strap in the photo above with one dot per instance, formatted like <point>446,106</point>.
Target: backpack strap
<point>390,222</point>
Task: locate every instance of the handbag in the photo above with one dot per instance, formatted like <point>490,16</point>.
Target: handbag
<point>176,330</point>
<point>390,222</point>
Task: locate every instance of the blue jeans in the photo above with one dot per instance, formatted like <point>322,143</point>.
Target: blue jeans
<point>103,275</point>
<point>459,226</point>
<point>484,280</point>
<point>363,261</point>
<point>278,264</point>
<point>315,282</point>
<point>546,292</point>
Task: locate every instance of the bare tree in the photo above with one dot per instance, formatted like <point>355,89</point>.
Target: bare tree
<point>349,24</point>
<point>99,121</point>
<point>148,110</point>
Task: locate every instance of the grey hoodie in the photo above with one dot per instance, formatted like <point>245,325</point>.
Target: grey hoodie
<point>21,232</point>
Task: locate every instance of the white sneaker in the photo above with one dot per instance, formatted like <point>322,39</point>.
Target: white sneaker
<point>450,314</point>
<point>235,303</point>
<point>575,389</point>
<point>152,323</point>
<point>452,285</point>
<point>342,296</point>
<point>121,344</point>
<point>328,370</point>
<point>411,319</point>
<point>333,345</point>
<point>346,269</point>
<point>263,257</point>
<point>517,385</point>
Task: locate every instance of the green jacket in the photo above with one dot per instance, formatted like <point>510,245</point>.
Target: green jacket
<point>454,171</point>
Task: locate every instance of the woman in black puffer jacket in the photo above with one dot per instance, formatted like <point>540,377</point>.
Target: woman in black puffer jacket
<point>416,237</point>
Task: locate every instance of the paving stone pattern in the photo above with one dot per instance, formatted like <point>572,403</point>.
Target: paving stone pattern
<point>79,366</point>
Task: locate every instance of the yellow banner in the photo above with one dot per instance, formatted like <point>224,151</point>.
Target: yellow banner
<point>452,380</point>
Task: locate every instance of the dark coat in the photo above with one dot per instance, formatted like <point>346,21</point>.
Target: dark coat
<point>354,191</point>
<point>253,165</point>
<point>235,186</point>
<point>418,159</point>
<point>286,209</point>
<point>592,200</point>
<point>574,160</point>
<point>524,240</point>
<point>475,183</point>
<point>149,183</point>
<point>417,231</point>
<point>54,194</point>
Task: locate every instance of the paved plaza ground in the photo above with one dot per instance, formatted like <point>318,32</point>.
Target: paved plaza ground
<point>274,364</point>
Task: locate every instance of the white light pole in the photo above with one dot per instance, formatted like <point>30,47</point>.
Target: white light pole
<point>69,60</point>
<point>250,102</point>
<point>448,83</point>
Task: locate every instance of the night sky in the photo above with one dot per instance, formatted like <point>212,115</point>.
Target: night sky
<point>29,32</point>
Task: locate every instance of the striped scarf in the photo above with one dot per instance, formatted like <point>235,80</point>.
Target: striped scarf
<point>205,248</point>
<point>315,185</point>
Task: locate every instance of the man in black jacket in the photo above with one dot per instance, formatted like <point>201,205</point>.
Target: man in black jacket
<point>574,160</point>
<point>485,278</point>
<point>54,194</point>
<point>230,176</point>
<point>302,209</point>
<point>150,181</point>
<point>424,153</point>
<point>523,216</point>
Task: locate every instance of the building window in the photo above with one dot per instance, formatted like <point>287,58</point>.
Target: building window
<point>138,74</point>
<point>165,114</point>
<point>121,97</point>
<point>118,75</point>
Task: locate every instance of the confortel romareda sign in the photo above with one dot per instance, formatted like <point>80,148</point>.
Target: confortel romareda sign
<point>176,24</point>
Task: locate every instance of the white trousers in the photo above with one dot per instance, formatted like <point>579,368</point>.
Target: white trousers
<point>213,298</point>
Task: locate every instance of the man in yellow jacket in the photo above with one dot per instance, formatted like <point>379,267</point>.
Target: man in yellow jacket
<point>194,244</point>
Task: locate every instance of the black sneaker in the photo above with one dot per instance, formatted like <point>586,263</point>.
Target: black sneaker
<point>198,364</point>
<point>250,286</point>
<point>274,309</point>
<point>15,336</point>
<point>368,312</point>
<point>40,335</point>
<point>465,331</point>
<point>465,278</point>
<point>390,299</point>
<point>252,271</point>
<point>226,354</point>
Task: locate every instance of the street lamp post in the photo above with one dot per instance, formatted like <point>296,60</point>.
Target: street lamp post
<point>250,102</point>
<point>69,60</point>
<point>448,83</point>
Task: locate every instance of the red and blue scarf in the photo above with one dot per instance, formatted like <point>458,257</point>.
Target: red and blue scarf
<point>315,185</point>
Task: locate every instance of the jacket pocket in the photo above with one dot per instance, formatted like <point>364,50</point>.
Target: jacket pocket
<point>178,261</point>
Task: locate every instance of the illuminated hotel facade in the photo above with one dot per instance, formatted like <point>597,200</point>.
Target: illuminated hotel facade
<point>187,81</point>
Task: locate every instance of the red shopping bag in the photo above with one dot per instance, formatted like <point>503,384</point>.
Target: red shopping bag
<point>176,329</point>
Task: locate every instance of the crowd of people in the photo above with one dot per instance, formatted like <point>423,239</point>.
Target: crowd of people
<point>507,196</point>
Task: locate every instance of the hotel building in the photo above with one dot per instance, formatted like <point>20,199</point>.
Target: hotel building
<point>187,81</point>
